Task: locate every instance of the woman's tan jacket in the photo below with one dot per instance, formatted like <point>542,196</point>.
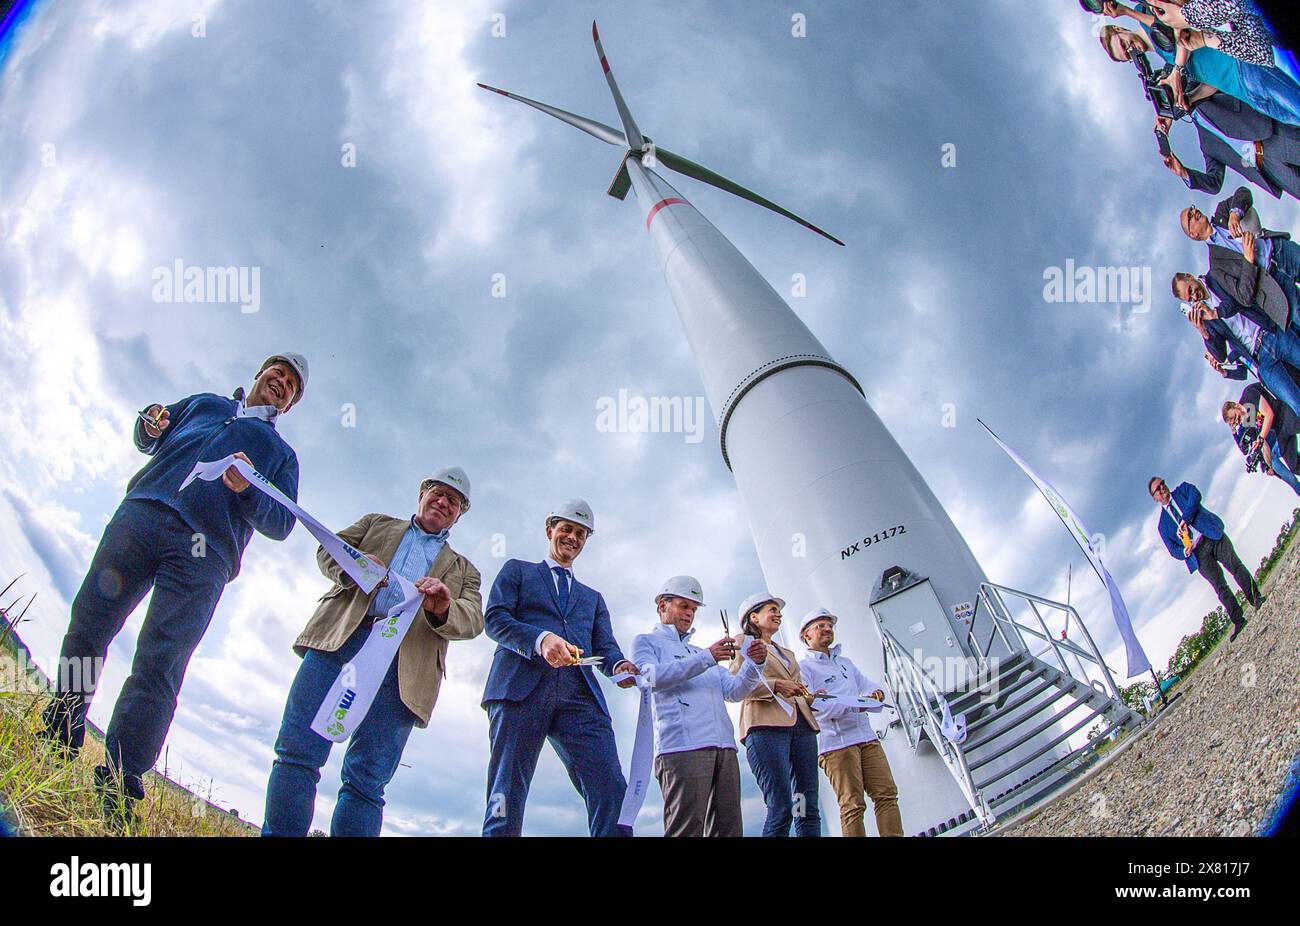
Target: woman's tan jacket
<point>759,709</point>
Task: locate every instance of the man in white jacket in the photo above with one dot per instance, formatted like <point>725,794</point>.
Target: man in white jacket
<point>849,751</point>
<point>695,743</point>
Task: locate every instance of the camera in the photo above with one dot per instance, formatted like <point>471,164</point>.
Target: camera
<point>1246,436</point>
<point>1160,95</point>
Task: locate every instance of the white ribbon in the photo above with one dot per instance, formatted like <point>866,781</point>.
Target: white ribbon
<point>643,754</point>
<point>953,729</point>
<point>350,697</point>
<point>361,568</point>
<point>785,706</point>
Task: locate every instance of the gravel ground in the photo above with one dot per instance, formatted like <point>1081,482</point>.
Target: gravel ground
<point>1214,763</point>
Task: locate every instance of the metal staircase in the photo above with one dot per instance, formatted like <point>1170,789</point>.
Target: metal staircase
<point>1028,699</point>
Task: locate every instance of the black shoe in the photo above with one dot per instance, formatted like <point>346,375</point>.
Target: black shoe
<point>1259,601</point>
<point>117,796</point>
<point>1237,628</point>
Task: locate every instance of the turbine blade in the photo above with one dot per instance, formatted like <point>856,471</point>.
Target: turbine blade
<point>593,128</point>
<point>633,134</point>
<point>691,169</point>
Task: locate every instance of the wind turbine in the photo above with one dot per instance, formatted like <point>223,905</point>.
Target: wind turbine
<point>833,502</point>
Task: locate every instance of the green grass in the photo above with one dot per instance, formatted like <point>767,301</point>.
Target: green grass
<point>46,795</point>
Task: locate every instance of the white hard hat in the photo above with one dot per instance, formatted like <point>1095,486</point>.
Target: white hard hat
<point>453,477</point>
<point>575,510</point>
<point>297,363</point>
<point>687,587</point>
<point>816,614</point>
<point>753,601</point>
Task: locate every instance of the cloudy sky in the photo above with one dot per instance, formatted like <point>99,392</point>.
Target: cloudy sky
<point>135,133</point>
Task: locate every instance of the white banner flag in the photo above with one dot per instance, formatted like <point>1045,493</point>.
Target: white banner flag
<point>1137,658</point>
<point>347,702</point>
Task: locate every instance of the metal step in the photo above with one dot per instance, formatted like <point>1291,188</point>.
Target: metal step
<point>1092,713</point>
<point>1050,778</point>
<point>1073,688</point>
<point>1051,721</point>
<point>1016,665</point>
<point>1010,705</point>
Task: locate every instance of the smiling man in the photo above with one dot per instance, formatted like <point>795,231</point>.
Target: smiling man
<point>185,547</point>
<point>550,629</point>
<point>848,747</point>
<point>695,745</point>
<point>1196,536</point>
<point>415,548</point>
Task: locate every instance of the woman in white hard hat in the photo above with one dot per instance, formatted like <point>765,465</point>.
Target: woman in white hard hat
<point>778,728</point>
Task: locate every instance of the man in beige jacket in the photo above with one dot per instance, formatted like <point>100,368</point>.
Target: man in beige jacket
<point>417,549</point>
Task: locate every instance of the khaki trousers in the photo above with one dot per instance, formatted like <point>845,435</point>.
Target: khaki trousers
<point>855,769</point>
<point>701,790</point>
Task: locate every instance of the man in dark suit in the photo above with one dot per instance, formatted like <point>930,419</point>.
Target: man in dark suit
<point>1195,535</point>
<point>1257,269</point>
<point>1241,339</point>
<point>1233,135</point>
<point>550,631</point>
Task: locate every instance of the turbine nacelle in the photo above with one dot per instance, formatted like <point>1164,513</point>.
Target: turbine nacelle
<point>641,146</point>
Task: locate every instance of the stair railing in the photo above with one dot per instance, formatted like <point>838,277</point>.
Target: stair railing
<point>992,596</point>
<point>924,714</point>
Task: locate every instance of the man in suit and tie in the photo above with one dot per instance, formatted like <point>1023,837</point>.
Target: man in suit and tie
<point>1241,338</point>
<point>1195,535</point>
<point>550,631</point>
<point>1256,269</point>
<point>1233,135</point>
<point>415,548</point>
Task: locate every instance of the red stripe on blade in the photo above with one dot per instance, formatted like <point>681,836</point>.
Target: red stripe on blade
<point>672,200</point>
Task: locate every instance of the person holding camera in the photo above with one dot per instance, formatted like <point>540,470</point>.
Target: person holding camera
<point>1196,536</point>
<point>695,745</point>
<point>778,727</point>
<point>1264,429</point>
<point>1267,90</point>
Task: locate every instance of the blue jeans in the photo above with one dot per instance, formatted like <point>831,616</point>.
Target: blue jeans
<point>1286,270</point>
<point>784,760</point>
<point>1280,468</point>
<point>369,764</point>
<point>1274,352</point>
<point>1271,91</point>
<point>146,545</point>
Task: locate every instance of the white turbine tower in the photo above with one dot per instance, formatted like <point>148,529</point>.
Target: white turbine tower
<point>840,516</point>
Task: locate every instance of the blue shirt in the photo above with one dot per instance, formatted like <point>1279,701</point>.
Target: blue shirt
<point>1263,246</point>
<point>413,560</point>
<point>208,427</point>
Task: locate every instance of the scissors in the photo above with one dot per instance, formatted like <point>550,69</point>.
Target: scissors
<point>726,628</point>
<point>151,421</point>
<point>589,661</point>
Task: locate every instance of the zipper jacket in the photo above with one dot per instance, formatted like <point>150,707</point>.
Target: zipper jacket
<point>842,725</point>
<point>689,691</point>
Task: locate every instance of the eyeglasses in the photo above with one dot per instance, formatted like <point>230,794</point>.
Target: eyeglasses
<point>451,496</point>
<point>1159,487</point>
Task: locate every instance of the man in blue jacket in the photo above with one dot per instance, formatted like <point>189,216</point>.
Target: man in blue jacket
<point>1196,536</point>
<point>183,546</point>
<point>550,630</point>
